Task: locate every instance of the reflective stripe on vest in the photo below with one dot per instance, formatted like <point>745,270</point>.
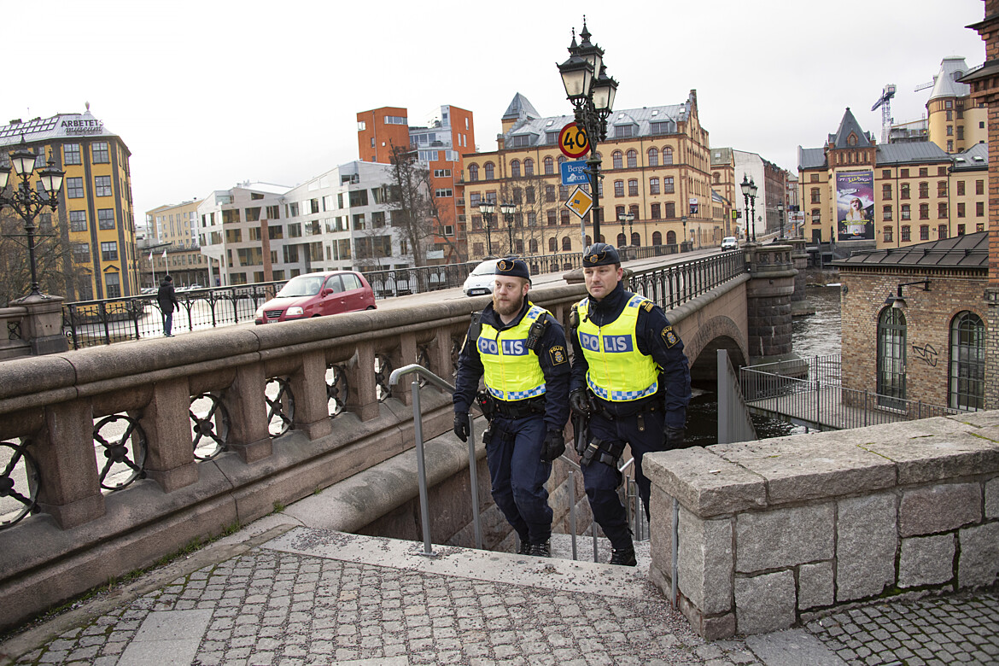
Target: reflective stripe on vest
<point>511,370</point>
<point>617,370</point>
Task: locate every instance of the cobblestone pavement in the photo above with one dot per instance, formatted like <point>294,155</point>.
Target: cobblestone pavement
<point>942,630</point>
<point>318,597</point>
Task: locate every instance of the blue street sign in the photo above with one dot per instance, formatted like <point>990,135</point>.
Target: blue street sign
<point>574,173</point>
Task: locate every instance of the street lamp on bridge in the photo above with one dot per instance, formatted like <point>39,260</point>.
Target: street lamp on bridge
<point>749,199</point>
<point>27,202</point>
<point>507,210</point>
<point>592,93</point>
<point>487,208</point>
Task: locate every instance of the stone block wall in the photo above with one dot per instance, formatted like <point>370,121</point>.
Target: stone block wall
<point>771,532</point>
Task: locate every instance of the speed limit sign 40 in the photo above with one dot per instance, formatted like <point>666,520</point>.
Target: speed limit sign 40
<point>573,141</point>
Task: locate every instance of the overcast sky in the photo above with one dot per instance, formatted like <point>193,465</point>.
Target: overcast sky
<point>213,92</point>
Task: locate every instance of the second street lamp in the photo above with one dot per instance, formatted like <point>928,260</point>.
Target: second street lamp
<point>781,221</point>
<point>487,208</point>
<point>592,93</point>
<point>623,218</point>
<point>28,202</point>
<point>507,209</point>
<point>749,199</point>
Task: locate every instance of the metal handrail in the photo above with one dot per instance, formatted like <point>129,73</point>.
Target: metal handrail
<point>418,435</point>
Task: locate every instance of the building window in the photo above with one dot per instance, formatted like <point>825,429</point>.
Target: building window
<point>960,231</point>
<point>619,188</point>
<point>891,358</point>
<point>887,173</point>
<point>904,191</point>
<point>943,210</point>
<point>887,234</point>
<point>887,192</point>
<point>112,284</point>
<point>980,209</point>
<point>942,231</point>
<point>670,211</point>
<point>633,187</point>
<point>71,154</point>
<point>616,159</point>
<point>886,213</point>
<point>657,238</point>
<point>515,169</point>
<point>567,244</point>
<point>78,220</point>
<point>923,172</point>
<point>668,155</point>
<point>105,218</point>
<point>564,216</point>
<point>942,188</point>
<point>814,195</point>
<point>81,253</point>
<point>653,157</point>
<point>904,234</point>
<point>563,192</point>
<point>631,159</point>
<point>925,232</point>
<point>924,190</point>
<point>904,173</point>
<point>489,169</point>
<point>473,173</point>
<point>960,188</point>
<point>668,185</point>
<point>925,212</point>
<point>979,187</point>
<point>100,152</point>
<point>102,186</point>
<point>109,251</point>
<point>74,188</point>
<point>654,211</point>
<point>967,365</point>
<point>904,212</point>
<point>815,216</point>
<point>529,167</point>
<point>549,166</point>
<point>443,192</point>
<point>654,185</point>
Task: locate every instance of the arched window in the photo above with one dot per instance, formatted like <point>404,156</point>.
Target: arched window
<point>549,166</point>
<point>616,159</point>
<point>668,155</point>
<point>533,246</point>
<point>636,240</point>
<point>653,156</point>
<point>567,244</point>
<point>553,245</point>
<point>515,169</point>
<point>529,167</point>
<point>634,209</point>
<point>562,158</point>
<point>473,173</point>
<point>621,240</point>
<point>588,241</point>
<point>671,238</point>
<point>967,365</point>
<point>891,358</point>
<point>632,158</point>
<point>488,168</point>
<point>657,238</point>
<point>715,178</point>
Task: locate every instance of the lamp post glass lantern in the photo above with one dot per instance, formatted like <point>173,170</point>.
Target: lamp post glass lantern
<point>781,222</point>
<point>592,93</point>
<point>487,208</point>
<point>29,202</point>
<point>507,209</point>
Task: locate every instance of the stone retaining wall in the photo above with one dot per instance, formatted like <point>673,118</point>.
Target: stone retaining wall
<point>771,532</point>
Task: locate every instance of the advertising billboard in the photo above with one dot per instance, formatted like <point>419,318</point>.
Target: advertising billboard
<point>855,205</point>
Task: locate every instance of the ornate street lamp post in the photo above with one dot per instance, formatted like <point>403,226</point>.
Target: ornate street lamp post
<point>487,209</point>
<point>592,93</point>
<point>507,210</point>
<point>749,199</point>
<point>781,221</point>
<point>623,218</point>
<point>27,202</point>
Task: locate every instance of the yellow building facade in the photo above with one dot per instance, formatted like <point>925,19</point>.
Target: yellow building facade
<point>954,122</point>
<point>94,222</point>
<point>856,192</point>
<point>655,164</point>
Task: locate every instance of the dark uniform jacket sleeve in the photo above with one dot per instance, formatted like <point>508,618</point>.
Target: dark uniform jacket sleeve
<point>554,360</point>
<point>580,365</point>
<point>657,338</point>
<point>470,370</point>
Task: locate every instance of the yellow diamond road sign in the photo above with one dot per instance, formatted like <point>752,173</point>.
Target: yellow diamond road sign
<point>579,202</point>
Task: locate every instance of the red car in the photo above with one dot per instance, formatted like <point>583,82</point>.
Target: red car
<point>318,294</point>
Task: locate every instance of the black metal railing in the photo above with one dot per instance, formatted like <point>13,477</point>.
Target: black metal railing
<point>670,286</point>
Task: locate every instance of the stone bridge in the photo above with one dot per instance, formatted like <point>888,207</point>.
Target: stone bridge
<point>210,430</point>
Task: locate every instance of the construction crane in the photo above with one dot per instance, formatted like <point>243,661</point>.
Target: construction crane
<point>888,92</point>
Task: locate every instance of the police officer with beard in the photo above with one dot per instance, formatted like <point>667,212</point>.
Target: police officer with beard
<point>630,375</point>
<point>519,350</point>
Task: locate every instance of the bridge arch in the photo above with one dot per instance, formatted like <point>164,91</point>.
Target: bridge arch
<point>718,332</point>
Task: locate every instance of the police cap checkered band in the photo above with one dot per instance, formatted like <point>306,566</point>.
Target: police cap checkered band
<point>513,268</point>
<point>601,254</point>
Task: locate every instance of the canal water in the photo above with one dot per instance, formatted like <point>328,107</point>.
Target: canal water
<point>816,334</point>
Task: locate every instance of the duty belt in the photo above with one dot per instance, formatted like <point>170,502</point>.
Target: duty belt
<point>651,404</point>
<point>519,409</point>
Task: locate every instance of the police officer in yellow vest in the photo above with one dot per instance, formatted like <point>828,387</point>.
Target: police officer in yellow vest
<point>631,376</point>
<point>520,351</point>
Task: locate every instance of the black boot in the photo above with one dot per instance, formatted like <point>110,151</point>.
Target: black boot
<point>524,548</point>
<point>540,550</point>
<point>623,556</point>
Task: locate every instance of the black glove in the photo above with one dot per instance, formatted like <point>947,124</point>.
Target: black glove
<point>673,438</point>
<point>553,446</point>
<point>462,426</point>
<point>578,402</point>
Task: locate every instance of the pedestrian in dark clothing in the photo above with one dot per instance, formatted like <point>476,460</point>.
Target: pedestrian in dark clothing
<point>519,350</point>
<point>631,377</point>
<point>167,299</point>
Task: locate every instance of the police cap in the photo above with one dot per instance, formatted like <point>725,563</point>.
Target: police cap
<point>512,267</point>
<point>601,254</point>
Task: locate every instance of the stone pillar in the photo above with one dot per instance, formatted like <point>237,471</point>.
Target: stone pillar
<point>362,398</point>
<point>800,260</point>
<point>247,407</point>
<point>42,326</point>
<point>170,456</point>
<point>308,383</point>
<point>70,490</point>
<point>769,301</point>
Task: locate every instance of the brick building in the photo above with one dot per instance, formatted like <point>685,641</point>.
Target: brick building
<point>915,324</point>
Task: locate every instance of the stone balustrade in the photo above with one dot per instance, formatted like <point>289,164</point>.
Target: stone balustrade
<point>772,532</point>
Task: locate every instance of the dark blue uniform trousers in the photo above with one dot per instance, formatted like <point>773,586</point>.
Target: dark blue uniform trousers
<point>518,475</point>
<point>601,481</point>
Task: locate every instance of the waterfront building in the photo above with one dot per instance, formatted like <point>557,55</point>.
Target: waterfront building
<point>655,164</point>
<point>94,222</point>
<point>171,245</point>
<point>955,122</point>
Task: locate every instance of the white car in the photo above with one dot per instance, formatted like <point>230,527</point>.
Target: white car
<point>730,243</point>
<point>480,280</point>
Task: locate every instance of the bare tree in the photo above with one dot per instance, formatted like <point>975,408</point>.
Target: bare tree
<point>414,211</point>
<point>55,269</point>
